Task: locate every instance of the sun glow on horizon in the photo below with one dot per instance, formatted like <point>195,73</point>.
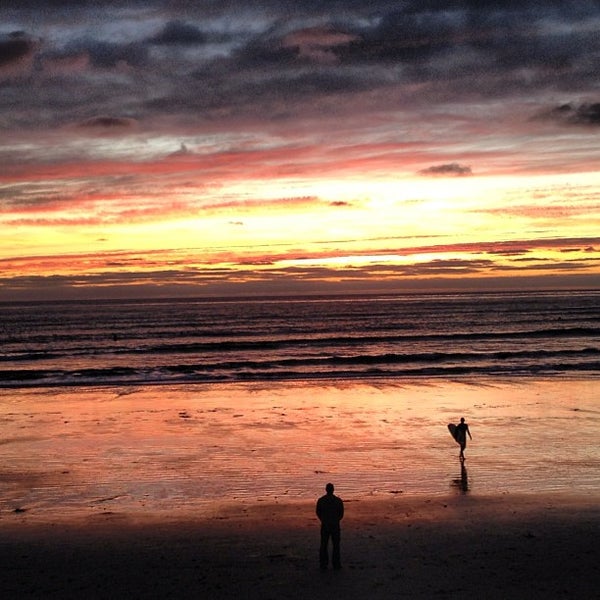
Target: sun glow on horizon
<point>379,230</point>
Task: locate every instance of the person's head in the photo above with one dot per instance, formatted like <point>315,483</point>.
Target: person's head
<point>462,419</point>
<point>329,488</point>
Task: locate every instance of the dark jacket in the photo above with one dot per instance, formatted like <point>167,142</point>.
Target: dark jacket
<point>330,510</point>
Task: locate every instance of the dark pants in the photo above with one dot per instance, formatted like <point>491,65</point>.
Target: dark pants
<point>333,533</point>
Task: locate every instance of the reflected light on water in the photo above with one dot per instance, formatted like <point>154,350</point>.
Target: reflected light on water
<point>166,447</point>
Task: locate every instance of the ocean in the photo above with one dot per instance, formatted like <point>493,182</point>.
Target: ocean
<point>281,339</point>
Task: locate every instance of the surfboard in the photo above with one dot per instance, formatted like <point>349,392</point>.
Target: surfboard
<point>452,430</point>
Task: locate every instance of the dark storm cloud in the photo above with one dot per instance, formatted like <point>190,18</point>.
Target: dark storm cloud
<point>479,49</point>
<point>275,59</point>
<point>457,49</point>
<point>179,33</point>
<point>17,6</point>
<point>400,37</point>
<point>107,55</point>
<point>588,114</point>
<point>583,114</point>
<point>14,47</point>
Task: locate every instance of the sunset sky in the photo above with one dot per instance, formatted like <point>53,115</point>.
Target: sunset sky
<point>208,148</point>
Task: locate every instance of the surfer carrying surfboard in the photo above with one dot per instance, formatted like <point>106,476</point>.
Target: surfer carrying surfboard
<point>462,430</point>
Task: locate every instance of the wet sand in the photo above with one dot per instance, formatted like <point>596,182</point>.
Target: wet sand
<point>176,491</point>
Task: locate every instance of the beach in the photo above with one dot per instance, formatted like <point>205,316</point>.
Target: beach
<point>503,547</point>
<point>209,491</point>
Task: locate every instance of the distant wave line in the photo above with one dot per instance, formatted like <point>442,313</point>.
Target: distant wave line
<point>320,342</point>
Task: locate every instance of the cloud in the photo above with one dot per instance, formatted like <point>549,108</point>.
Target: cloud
<point>17,53</point>
<point>588,114</point>
<point>107,122</point>
<point>118,273</point>
<point>14,47</point>
<point>317,44</point>
<point>285,59</point>
<point>401,36</point>
<point>182,151</point>
<point>107,55</point>
<point>551,211</point>
<point>180,34</point>
<point>447,170</point>
<point>570,114</point>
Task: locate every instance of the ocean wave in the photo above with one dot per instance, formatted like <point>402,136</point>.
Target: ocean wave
<point>334,367</point>
<point>121,342</point>
<point>314,341</point>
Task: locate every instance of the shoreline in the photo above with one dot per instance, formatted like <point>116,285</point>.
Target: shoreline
<point>420,377</point>
<point>493,547</point>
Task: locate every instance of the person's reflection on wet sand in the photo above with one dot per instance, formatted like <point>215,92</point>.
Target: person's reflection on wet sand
<point>463,482</point>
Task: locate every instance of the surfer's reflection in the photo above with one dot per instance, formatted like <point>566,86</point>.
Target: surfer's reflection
<point>463,483</point>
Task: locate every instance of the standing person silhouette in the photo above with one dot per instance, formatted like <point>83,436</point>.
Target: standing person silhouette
<point>330,510</point>
<point>462,430</point>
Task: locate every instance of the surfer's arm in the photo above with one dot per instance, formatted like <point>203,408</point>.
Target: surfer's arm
<point>470,436</point>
